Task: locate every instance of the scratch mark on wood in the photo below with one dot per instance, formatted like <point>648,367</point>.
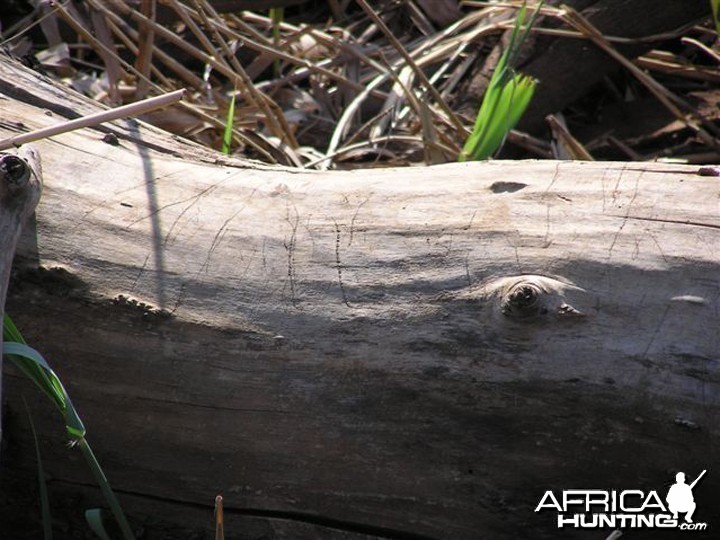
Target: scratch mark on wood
<point>352,221</point>
<point>602,189</point>
<point>655,334</point>
<point>338,263</point>
<point>467,267</point>
<point>290,248</point>
<point>674,221</point>
<point>626,216</point>
<point>219,235</point>
<point>140,272</point>
<point>180,298</point>
<point>170,205</point>
<point>547,225</point>
<point>616,188</point>
<point>616,236</point>
<point>214,406</point>
<point>553,179</point>
<point>657,245</point>
<point>177,219</point>
<point>472,218</point>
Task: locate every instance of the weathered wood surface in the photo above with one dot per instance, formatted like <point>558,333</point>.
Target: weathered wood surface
<point>329,349</point>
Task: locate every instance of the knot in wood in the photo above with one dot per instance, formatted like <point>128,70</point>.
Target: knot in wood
<point>530,298</point>
<point>522,301</point>
<point>20,182</point>
<point>14,171</point>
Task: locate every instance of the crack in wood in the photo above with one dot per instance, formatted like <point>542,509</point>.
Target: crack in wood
<point>338,264</point>
<point>673,221</point>
<point>218,408</point>
<point>290,248</point>
<point>311,518</point>
<point>352,221</point>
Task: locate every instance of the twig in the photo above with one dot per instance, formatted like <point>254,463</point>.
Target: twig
<point>274,117</point>
<point>704,48</point>
<point>409,139</point>
<point>252,44</point>
<point>219,522</point>
<point>566,146</point>
<point>667,98</point>
<point>133,109</point>
<point>143,60</point>
<point>410,62</point>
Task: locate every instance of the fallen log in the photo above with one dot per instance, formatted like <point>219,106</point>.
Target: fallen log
<point>399,353</point>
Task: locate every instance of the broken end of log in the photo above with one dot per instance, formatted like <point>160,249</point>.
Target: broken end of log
<point>20,187</point>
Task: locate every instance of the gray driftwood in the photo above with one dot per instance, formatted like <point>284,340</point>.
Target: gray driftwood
<point>405,353</point>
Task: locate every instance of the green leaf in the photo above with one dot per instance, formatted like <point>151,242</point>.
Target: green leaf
<point>32,363</point>
<point>227,136</point>
<point>500,112</point>
<point>276,16</point>
<point>94,520</point>
<point>42,484</point>
<point>506,98</point>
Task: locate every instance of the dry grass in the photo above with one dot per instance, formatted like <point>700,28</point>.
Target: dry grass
<point>340,82</point>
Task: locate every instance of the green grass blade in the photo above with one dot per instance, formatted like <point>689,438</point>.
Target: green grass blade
<point>29,368</point>
<point>42,485</point>
<point>227,136</point>
<point>94,519</point>
<point>29,360</point>
<point>508,106</point>
<point>10,331</point>
<point>506,98</point>
<point>32,363</point>
<point>715,6</point>
<point>107,491</point>
<point>276,16</point>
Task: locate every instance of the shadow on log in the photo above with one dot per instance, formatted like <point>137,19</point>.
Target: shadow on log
<point>407,353</point>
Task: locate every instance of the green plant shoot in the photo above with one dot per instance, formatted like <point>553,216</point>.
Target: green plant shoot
<point>35,367</point>
<point>506,98</point>
<point>276,16</point>
<point>715,5</point>
<point>227,136</point>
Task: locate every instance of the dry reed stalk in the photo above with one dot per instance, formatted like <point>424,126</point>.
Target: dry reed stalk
<point>131,110</point>
<point>273,114</point>
<point>146,44</point>
<point>667,98</point>
<point>460,128</point>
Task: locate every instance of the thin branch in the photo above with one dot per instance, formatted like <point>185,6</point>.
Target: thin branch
<point>133,109</point>
<point>418,72</point>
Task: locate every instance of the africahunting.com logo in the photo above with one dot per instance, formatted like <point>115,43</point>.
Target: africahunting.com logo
<point>630,508</point>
